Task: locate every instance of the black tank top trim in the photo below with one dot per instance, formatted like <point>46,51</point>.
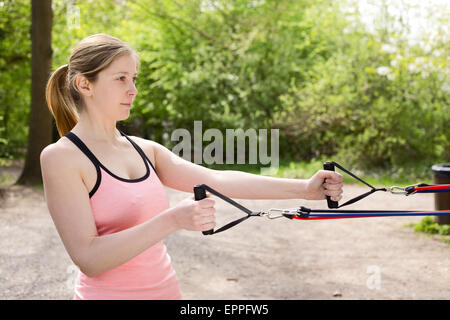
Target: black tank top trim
<point>139,149</point>
<point>80,144</point>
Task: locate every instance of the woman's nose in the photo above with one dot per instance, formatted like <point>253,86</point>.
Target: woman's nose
<point>132,90</point>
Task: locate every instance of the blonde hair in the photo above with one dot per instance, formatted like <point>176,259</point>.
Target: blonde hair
<point>88,58</point>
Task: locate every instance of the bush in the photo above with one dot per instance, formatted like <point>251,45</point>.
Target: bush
<point>374,103</point>
<point>428,225</point>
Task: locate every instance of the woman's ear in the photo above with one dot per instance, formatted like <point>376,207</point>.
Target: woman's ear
<point>83,85</point>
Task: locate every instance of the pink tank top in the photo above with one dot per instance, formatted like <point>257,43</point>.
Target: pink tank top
<point>118,204</point>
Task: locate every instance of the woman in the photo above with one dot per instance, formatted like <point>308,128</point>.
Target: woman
<point>105,190</point>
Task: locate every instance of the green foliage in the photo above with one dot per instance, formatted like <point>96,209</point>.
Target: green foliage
<point>371,103</point>
<point>429,225</point>
<point>337,92</point>
<point>226,66</point>
<point>15,55</point>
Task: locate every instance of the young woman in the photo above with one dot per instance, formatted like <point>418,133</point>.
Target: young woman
<point>105,190</point>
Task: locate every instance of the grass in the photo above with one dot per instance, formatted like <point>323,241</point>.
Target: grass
<point>428,225</point>
<point>5,179</point>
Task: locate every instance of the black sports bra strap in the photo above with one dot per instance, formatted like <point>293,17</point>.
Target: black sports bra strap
<point>139,149</point>
<point>80,144</point>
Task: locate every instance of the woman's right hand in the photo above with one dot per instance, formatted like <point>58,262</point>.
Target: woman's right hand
<point>193,215</point>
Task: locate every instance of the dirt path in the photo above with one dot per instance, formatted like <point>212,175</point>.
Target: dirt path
<point>377,258</point>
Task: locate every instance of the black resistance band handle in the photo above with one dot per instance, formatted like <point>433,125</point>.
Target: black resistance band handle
<point>199,194</point>
<point>331,204</point>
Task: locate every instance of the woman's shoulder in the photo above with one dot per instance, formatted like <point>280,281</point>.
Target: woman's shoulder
<point>60,153</point>
<point>142,142</point>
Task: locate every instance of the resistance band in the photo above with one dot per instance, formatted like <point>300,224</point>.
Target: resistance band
<point>304,213</point>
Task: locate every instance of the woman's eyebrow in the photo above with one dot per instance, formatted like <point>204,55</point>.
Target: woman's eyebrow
<point>124,72</point>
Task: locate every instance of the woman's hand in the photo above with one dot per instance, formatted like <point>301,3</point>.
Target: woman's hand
<point>194,215</point>
<point>324,183</point>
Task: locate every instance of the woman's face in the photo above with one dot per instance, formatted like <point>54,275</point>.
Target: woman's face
<point>115,90</point>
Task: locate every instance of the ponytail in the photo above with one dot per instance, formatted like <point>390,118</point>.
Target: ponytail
<point>61,100</point>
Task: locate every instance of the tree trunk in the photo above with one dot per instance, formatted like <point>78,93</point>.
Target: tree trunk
<point>40,122</point>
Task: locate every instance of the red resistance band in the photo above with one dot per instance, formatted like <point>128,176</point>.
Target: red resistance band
<point>315,215</point>
<point>435,188</point>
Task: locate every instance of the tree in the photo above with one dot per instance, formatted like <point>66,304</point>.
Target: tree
<point>40,122</point>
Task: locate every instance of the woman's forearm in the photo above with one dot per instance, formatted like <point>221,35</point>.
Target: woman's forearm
<point>109,251</point>
<point>238,184</point>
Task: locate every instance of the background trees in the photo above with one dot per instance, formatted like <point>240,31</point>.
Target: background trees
<point>311,68</point>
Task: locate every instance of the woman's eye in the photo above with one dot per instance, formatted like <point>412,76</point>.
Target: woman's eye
<point>122,78</point>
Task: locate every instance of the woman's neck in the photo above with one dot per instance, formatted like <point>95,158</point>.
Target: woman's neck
<point>97,130</point>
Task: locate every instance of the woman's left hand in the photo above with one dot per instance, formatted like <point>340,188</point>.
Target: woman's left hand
<point>324,183</point>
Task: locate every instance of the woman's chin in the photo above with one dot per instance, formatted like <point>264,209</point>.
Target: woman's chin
<point>124,116</point>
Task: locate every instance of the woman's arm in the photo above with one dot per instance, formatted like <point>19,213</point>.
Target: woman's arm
<point>177,173</point>
<point>68,203</point>
<point>236,184</point>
